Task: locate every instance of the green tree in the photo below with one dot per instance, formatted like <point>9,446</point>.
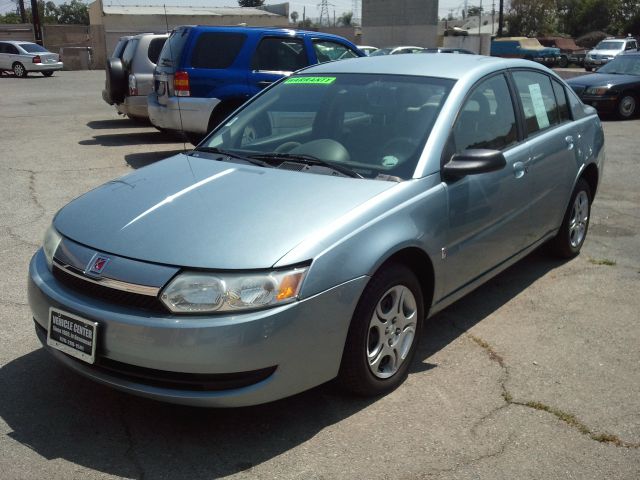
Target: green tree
<point>251,3</point>
<point>345,19</point>
<point>474,11</point>
<point>531,18</point>
<point>10,17</point>
<point>73,13</point>
<point>294,16</point>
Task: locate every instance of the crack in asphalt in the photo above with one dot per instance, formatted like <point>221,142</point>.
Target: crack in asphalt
<point>568,418</point>
<point>64,170</point>
<point>130,453</point>
<point>14,236</point>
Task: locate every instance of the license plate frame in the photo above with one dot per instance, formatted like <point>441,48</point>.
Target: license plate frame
<point>72,334</point>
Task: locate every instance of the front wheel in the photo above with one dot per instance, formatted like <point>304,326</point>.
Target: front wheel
<point>564,62</point>
<point>19,70</point>
<point>384,333</point>
<point>573,232</point>
<point>627,106</point>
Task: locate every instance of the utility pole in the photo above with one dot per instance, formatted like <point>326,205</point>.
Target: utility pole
<point>23,13</point>
<point>35,17</point>
<point>501,18</point>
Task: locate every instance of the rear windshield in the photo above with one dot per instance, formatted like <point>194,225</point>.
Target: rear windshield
<point>172,48</point>
<point>33,48</point>
<point>216,49</point>
<point>155,47</point>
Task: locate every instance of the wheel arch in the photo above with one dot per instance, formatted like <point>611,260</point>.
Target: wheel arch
<point>591,176</point>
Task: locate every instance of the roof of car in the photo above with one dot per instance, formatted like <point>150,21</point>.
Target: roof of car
<point>278,30</point>
<point>445,66</point>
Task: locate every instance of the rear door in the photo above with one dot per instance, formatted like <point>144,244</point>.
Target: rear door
<point>275,57</point>
<point>552,138</point>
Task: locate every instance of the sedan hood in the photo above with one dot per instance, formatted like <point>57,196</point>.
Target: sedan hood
<point>197,212</point>
<point>602,79</point>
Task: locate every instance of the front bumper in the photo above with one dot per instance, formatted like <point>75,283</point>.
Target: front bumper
<point>186,114</point>
<point>303,340</point>
<point>134,106</point>
<point>591,63</point>
<point>44,67</point>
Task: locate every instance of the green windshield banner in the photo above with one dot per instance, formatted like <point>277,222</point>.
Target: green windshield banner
<point>311,80</point>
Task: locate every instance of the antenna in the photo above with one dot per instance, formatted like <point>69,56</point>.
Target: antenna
<point>173,60</point>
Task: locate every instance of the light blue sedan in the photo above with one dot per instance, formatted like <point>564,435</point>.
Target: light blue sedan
<point>312,233</point>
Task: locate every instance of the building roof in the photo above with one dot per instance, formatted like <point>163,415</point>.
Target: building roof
<point>186,11</point>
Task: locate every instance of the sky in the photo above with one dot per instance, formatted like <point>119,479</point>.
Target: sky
<point>340,6</point>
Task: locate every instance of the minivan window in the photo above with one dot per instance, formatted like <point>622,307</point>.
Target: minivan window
<point>280,55</point>
<point>155,46</point>
<point>172,48</point>
<point>216,49</point>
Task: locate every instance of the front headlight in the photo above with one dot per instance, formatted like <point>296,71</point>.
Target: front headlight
<point>193,292</point>
<point>50,244</point>
<point>597,90</point>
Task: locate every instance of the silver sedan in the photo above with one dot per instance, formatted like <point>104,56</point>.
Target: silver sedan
<point>379,191</point>
<point>24,57</point>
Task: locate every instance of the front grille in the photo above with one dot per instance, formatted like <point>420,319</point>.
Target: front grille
<point>202,382</point>
<point>107,294</point>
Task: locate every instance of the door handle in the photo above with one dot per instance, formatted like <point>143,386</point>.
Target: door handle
<point>519,169</point>
<point>569,140</point>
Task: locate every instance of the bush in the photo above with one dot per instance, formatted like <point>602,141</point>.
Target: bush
<point>591,39</point>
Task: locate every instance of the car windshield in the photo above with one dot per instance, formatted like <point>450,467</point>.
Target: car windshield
<point>623,64</point>
<point>375,126</point>
<point>610,46</point>
<point>33,48</point>
<point>381,51</point>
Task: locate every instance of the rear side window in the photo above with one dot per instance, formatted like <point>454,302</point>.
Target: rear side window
<point>155,47</point>
<point>172,48</point>
<point>129,53</point>
<point>538,100</point>
<point>117,52</point>
<point>561,99</point>
<point>280,55</point>
<point>216,49</point>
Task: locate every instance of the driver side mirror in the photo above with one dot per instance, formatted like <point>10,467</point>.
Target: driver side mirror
<point>473,162</point>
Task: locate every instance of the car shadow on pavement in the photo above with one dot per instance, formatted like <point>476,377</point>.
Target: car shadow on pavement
<point>126,139</point>
<point>142,159</point>
<point>58,414</point>
<point>116,123</point>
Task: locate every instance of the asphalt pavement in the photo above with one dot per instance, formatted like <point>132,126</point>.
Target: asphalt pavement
<point>535,375</point>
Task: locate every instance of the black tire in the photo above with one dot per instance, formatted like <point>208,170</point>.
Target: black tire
<point>566,244</point>
<point>47,74</point>
<point>564,62</point>
<point>588,69</point>
<point>356,374</point>
<point>627,106</point>
<point>19,70</point>
<point>117,81</point>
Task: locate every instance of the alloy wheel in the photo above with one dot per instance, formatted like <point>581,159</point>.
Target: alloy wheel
<point>579,219</point>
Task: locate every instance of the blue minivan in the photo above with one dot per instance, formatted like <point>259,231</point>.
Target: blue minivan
<point>204,73</point>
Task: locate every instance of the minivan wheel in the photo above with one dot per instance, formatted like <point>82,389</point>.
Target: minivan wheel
<point>573,232</point>
<point>19,70</point>
<point>627,106</point>
<point>384,333</point>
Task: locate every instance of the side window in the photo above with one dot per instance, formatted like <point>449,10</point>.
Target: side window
<point>216,49</point>
<point>327,51</point>
<point>3,48</point>
<point>561,99</point>
<point>577,107</point>
<point>487,118</point>
<point>538,100</point>
<point>280,55</point>
<point>9,48</point>
<point>155,47</point>
<point>632,46</point>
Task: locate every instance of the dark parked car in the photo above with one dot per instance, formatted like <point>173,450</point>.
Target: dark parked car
<point>614,88</point>
<point>569,51</point>
<point>204,73</point>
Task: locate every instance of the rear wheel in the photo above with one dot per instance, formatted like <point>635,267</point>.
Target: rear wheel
<point>573,232</point>
<point>47,74</point>
<point>384,333</point>
<point>19,70</point>
<point>627,106</point>
<point>564,62</point>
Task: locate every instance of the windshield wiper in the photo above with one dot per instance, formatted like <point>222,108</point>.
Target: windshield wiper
<point>235,156</point>
<point>308,160</point>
